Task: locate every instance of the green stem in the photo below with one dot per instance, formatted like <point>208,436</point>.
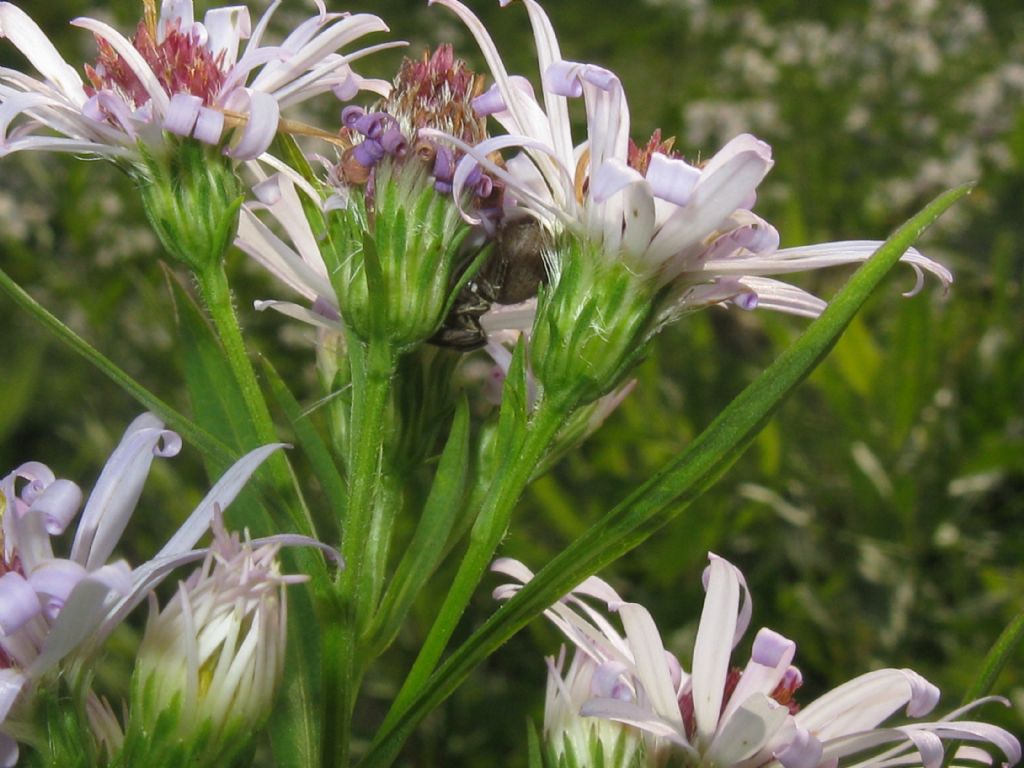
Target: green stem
<point>213,286</point>
<point>488,530</point>
<point>366,522</point>
<point>216,295</point>
<point>999,655</point>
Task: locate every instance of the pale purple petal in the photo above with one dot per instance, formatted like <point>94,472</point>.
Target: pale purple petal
<point>26,35</point>
<point>257,240</point>
<point>477,155</point>
<point>866,701</point>
<point>180,11</point>
<point>118,488</point>
<point>783,297</point>
<point>563,79</point>
<point>672,179</point>
<point>637,716</point>
<point>307,54</point>
<point>220,496</point>
<point>489,102</point>
<point>771,656</point>
<point>54,582</point>
<point>747,730</point>
<point>509,317</point>
<point>261,27</point>
<point>182,112</point>
<point>80,617</point>
<point>549,55</point>
<point>263,114</point>
<point>29,538</point>
<point>802,750</point>
<point>58,505</point>
<point>612,177</point>
<point>11,683</point>
<point>18,602</point>
<point>209,126</point>
<point>651,668</point>
<point>716,637</point>
<point>513,568</point>
<point>227,27</point>
<point>724,182</point>
<point>297,312</point>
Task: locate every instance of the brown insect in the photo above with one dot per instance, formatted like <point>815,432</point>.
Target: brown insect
<point>512,274</point>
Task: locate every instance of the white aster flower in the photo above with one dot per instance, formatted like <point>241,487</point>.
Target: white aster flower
<point>721,716</point>
<point>176,75</point>
<point>51,606</point>
<point>684,227</point>
<point>212,659</point>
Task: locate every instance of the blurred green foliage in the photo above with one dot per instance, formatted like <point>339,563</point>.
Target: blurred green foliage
<point>879,518</point>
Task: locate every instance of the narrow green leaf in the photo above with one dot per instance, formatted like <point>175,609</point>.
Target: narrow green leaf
<point>427,547</point>
<point>998,657</point>
<point>314,448</point>
<point>190,431</point>
<point>534,757</point>
<point>665,495</point>
<point>295,725</point>
<point>208,444</point>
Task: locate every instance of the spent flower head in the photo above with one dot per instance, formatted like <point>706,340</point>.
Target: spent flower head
<point>380,243</point>
<point>640,235</point>
<point>719,715</point>
<point>52,607</point>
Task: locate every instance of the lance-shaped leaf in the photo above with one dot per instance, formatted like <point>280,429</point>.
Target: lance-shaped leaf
<point>664,496</point>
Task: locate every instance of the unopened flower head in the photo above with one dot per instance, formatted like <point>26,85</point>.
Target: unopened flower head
<point>51,606</point>
<point>211,660</point>
<point>640,235</point>
<point>718,715</point>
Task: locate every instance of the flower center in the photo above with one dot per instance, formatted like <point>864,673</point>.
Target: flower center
<point>435,91</point>
<point>181,62</point>
<point>639,158</point>
<point>784,694</point>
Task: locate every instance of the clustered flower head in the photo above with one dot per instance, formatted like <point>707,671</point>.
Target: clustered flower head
<point>719,715</point>
<point>52,607</point>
